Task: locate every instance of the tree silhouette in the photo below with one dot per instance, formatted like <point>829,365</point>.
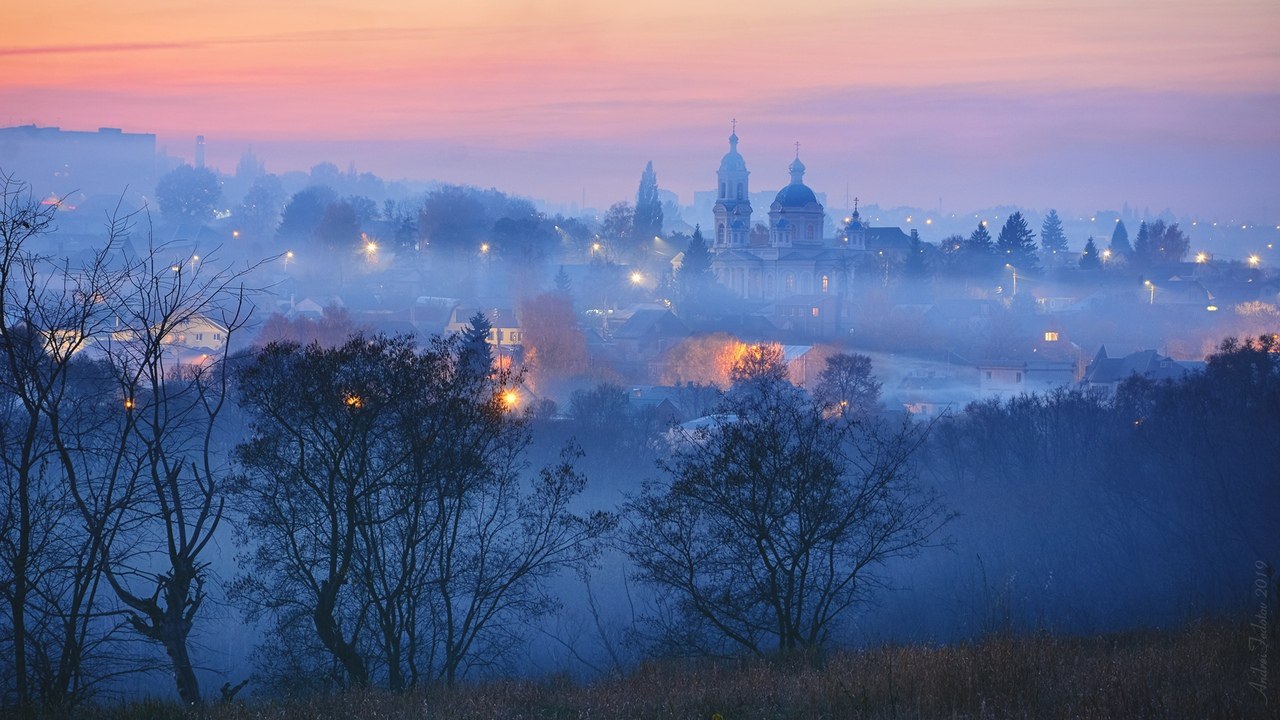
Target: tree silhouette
<point>1120,241</point>
<point>188,194</point>
<point>1090,260</point>
<point>773,522</point>
<point>1016,245</point>
<point>1052,239</point>
<point>647,223</point>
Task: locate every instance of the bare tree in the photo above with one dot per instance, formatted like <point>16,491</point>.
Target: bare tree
<point>391,525</point>
<point>162,505</point>
<point>847,388</point>
<point>110,488</point>
<point>774,523</point>
<point>50,554</point>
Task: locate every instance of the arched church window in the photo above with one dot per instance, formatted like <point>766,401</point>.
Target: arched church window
<point>739,191</point>
<point>809,232</point>
<point>826,283</point>
<point>791,283</point>
<point>720,232</point>
<point>722,195</point>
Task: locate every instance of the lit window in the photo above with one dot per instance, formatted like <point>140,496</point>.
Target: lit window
<point>791,282</point>
<point>826,283</point>
<point>813,311</point>
<point>1051,336</point>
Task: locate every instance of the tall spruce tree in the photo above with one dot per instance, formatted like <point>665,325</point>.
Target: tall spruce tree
<point>1052,239</point>
<point>1016,245</point>
<point>916,266</point>
<point>978,253</point>
<point>475,343</point>
<point>694,278</point>
<point>564,285</point>
<point>648,215</point>
<point>1142,246</point>
<point>1120,240</point>
<point>1089,260</point>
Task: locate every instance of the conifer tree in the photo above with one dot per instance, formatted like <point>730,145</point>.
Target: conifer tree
<point>1089,260</point>
<point>916,266</point>
<point>1016,245</point>
<point>563,285</point>
<point>977,253</point>
<point>1052,239</point>
<point>1120,240</point>
<point>694,278</point>
<point>1142,249</point>
<point>648,214</point>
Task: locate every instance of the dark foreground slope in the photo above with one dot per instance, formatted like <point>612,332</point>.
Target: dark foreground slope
<point>1200,671</point>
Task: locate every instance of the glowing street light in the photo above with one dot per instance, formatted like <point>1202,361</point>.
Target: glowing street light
<point>1152,286</point>
<point>637,278</point>
<point>1202,257</point>
<point>510,399</point>
<point>1254,261</point>
<point>1106,255</point>
<point>1015,277</point>
<point>484,248</point>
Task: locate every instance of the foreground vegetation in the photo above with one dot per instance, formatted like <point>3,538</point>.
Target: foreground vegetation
<point>1198,671</point>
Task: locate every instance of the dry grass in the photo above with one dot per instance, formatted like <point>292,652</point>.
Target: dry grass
<point>1197,672</point>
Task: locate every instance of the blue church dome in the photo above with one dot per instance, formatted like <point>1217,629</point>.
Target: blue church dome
<point>795,195</point>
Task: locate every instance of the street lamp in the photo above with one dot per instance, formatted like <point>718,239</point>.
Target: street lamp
<point>1015,277</point>
<point>1254,261</point>
<point>1152,286</point>
<point>636,278</point>
<point>1106,255</point>
<point>288,255</point>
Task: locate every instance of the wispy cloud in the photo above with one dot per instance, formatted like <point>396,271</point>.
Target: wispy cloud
<point>98,48</point>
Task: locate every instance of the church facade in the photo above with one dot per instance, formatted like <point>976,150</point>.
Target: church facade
<point>796,262</point>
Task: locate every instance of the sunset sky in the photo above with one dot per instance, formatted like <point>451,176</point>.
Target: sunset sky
<point>1081,105</point>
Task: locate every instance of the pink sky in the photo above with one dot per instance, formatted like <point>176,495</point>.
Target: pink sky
<point>1081,105</point>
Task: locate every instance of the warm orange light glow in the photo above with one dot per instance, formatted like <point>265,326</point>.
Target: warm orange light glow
<point>128,403</point>
<point>1254,261</point>
<point>510,399</point>
<point>1202,257</point>
<point>353,401</point>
